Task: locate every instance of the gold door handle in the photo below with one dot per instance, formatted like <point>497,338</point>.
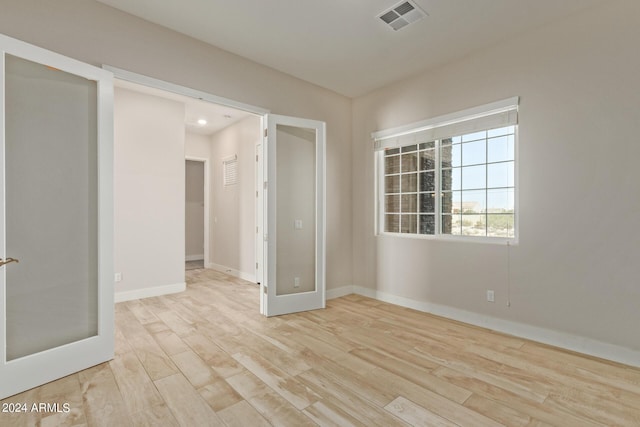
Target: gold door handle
<point>7,261</point>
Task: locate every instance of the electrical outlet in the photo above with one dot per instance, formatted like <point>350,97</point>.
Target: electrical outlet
<point>117,277</point>
<point>296,282</point>
<point>491,297</point>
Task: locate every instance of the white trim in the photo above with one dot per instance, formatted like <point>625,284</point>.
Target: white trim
<point>340,292</point>
<point>194,258</point>
<point>182,90</point>
<point>151,291</point>
<point>458,116</point>
<point>558,339</point>
<point>249,277</point>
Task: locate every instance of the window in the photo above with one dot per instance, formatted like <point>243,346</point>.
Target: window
<point>453,175</point>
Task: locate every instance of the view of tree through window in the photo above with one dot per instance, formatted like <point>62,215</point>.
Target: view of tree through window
<point>472,175</point>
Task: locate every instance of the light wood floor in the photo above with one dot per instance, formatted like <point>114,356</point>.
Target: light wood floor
<point>206,357</point>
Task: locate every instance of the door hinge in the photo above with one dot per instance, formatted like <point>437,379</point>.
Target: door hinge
<point>257,230</point>
<point>256,265</point>
<point>265,185</point>
<point>266,237</point>
<point>265,132</point>
<point>256,157</point>
<point>264,289</point>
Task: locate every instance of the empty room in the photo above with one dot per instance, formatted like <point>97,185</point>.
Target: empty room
<point>416,213</point>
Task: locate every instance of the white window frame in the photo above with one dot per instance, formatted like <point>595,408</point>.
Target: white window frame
<point>489,116</point>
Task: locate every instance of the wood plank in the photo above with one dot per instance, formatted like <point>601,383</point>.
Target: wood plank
<point>537,410</point>
<point>219,395</point>
<point>415,414</point>
<point>348,401</point>
<point>414,374</point>
<point>498,411</point>
<point>103,403</point>
<point>431,401</point>
<point>154,416</point>
<point>67,390</point>
<point>23,416</point>
<point>242,414</point>
<point>219,360</point>
<point>194,369</point>
<point>182,359</point>
<point>141,312</point>
<point>137,390</point>
<point>294,392</point>
<point>170,342</point>
<point>185,403</point>
<point>325,414</point>
<point>276,409</point>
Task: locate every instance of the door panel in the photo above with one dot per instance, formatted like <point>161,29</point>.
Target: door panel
<point>56,171</point>
<point>295,212</point>
<point>51,207</point>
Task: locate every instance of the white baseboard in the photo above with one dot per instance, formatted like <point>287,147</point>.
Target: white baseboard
<point>153,291</point>
<point>194,257</point>
<point>563,340</point>
<point>232,272</point>
<point>339,292</point>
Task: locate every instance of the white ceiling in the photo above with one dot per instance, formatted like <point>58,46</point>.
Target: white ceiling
<point>217,116</point>
<point>341,44</point>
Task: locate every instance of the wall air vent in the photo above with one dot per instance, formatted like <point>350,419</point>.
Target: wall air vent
<point>402,14</point>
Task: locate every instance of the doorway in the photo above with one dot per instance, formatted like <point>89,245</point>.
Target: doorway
<point>301,145</point>
<point>196,213</point>
<point>216,225</point>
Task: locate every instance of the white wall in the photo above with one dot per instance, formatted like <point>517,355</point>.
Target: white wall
<point>232,221</point>
<point>197,146</point>
<point>576,269</point>
<point>97,34</point>
<point>194,210</point>
<point>149,193</point>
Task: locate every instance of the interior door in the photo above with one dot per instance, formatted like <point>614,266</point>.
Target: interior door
<point>56,215</point>
<point>295,215</point>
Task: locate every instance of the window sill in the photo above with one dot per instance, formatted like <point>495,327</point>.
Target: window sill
<point>511,241</point>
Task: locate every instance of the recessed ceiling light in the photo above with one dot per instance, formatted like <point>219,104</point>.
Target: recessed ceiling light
<point>202,122</point>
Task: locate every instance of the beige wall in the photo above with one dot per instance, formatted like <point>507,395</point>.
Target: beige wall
<point>232,219</point>
<point>575,270</point>
<point>197,146</point>
<point>149,191</point>
<point>97,34</point>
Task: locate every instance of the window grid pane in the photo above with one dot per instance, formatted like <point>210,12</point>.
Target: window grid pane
<point>469,180</point>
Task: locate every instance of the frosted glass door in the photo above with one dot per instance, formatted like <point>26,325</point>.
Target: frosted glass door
<point>295,211</point>
<point>51,207</point>
<point>54,306</point>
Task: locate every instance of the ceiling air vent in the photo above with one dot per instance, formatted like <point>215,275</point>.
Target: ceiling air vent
<point>402,14</point>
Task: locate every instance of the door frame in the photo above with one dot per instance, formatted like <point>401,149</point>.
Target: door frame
<point>141,79</point>
<point>264,115</point>
<point>205,161</point>
<point>27,372</point>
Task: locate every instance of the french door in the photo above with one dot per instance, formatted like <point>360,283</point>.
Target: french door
<point>56,216</point>
<point>294,277</point>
